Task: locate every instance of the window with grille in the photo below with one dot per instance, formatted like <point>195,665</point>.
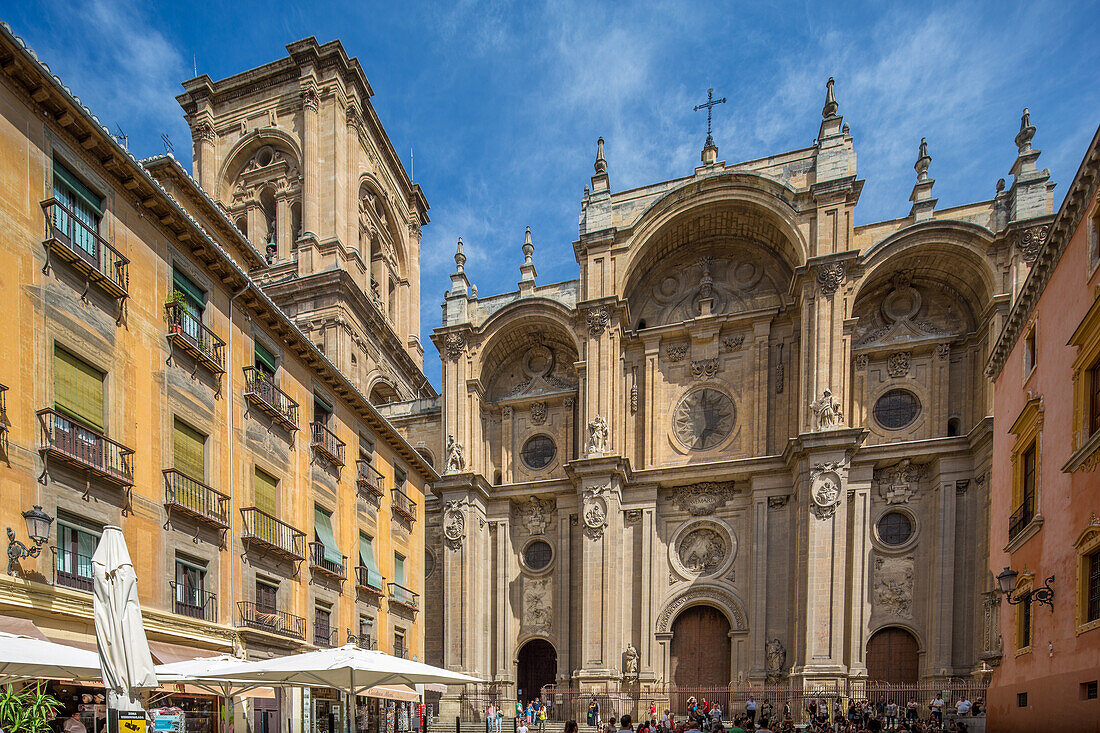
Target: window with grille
<point>266,597</point>
<point>1028,476</point>
<point>1024,625</point>
<point>1092,586</point>
<point>538,452</point>
<point>896,409</point>
<point>79,203</point>
<point>190,586</point>
<point>537,555</point>
<point>895,528</point>
<point>1094,397</point>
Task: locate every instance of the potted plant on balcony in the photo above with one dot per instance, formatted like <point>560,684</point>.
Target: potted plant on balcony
<point>178,299</point>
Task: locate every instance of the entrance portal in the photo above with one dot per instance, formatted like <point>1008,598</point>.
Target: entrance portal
<point>701,648</point>
<point>538,666</point>
<point>892,656</point>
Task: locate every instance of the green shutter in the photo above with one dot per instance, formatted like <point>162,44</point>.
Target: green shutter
<point>322,525</point>
<point>366,559</point>
<point>188,454</point>
<point>62,175</point>
<point>398,569</point>
<point>266,490</point>
<point>78,389</point>
<point>193,293</point>
<point>264,357</point>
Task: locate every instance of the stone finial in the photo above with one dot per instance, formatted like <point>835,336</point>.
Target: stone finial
<point>527,269</point>
<point>528,248</point>
<point>460,257</point>
<point>1026,133</point>
<point>601,162</point>
<point>923,160</point>
<point>1000,185</point>
<point>831,106</point>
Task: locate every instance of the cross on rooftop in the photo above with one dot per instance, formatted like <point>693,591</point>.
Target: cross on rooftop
<point>709,105</point>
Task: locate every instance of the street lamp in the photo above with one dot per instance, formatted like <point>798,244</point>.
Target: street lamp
<point>38,529</point>
<point>1006,579</point>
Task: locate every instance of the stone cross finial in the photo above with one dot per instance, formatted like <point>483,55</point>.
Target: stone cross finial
<point>923,160</point>
<point>601,162</point>
<point>460,257</point>
<point>831,106</point>
<point>1026,133</point>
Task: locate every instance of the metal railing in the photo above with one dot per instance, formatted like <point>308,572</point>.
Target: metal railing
<point>1021,517</point>
<point>369,580</point>
<point>402,595</point>
<point>73,570</point>
<point>81,446</point>
<point>194,602</point>
<point>263,393</point>
<point>79,244</point>
<point>363,641</point>
<point>401,652</point>
<point>195,498</point>
<point>270,620</point>
<point>324,636</point>
<point>403,505</point>
<point>3,408</point>
<point>318,561</point>
<point>275,535</point>
<point>325,442</point>
<point>188,333</point>
<point>369,481</point>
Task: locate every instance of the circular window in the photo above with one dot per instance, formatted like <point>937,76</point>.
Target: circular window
<point>538,452</point>
<point>538,554</point>
<point>704,418</point>
<point>896,409</point>
<point>895,528</point>
<point>429,563</point>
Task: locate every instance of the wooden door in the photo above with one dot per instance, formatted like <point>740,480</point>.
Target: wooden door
<point>701,649</point>
<point>892,656</point>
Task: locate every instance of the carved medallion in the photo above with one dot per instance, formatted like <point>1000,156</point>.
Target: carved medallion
<point>595,513</point>
<point>898,364</point>
<point>538,413</point>
<point>702,550</point>
<point>897,484</point>
<point>454,525</point>
<point>825,487</point>
<point>704,419</point>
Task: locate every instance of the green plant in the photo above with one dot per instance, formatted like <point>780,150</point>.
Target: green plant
<point>176,296</point>
<point>27,711</point>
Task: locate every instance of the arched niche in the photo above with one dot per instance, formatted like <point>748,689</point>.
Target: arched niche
<point>260,186</point>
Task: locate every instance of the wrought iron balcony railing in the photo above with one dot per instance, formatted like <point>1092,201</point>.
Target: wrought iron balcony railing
<point>194,602</point>
<point>262,392</point>
<point>363,641</point>
<point>82,447</point>
<point>324,636</point>
<point>401,595</point>
<point>402,505</point>
<point>319,563</point>
<point>73,570</point>
<point>75,242</point>
<point>3,408</point>
<point>369,481</point>
<point>187,333</point>
<point>271,621</point>
<point>1021,517</point>
<point>273,535</point>
<point>369,581</point>
<point>195,499</point>
<point>325,442</point>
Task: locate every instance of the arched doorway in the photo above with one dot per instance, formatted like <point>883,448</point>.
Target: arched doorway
<point>538,665</point>
<point>893,656</point>
<point>700,649</point>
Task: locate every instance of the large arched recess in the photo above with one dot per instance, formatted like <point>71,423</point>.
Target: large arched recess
<point>395,220</point>
<point>512,331</point>
<point>243,150</point>
<point>727,208</point>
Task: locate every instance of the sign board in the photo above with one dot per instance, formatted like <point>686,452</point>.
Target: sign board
<point>126,721</point>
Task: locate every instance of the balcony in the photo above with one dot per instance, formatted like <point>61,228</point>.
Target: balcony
<point>73,570</point>
<point>402,505</point>
<point>73,241</point>
<point>3,409</point>
<point>368,480</point>
<point>83,448</point>
<point>271,621</point>
<point>187,334</point>
<point>319,564</point>
<point>324,636</point>
<point>194,602</point>
<point>363,641</point>
<point>400,652</point>
<point>369,581</point>
<point>402,596</point>
<point>271,535</point>
<point>195,499</point>
<point>1021,517</point>
<point>261,392</point>
<point>325,443</point>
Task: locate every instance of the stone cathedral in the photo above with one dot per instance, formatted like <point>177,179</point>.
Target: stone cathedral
<point>751,442</point>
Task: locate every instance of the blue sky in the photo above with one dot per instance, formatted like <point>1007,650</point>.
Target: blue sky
<point>501,103</point>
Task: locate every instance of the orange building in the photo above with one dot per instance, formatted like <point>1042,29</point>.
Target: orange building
<point>1045,513</point>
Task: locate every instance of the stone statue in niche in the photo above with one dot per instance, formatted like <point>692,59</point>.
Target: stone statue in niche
<point>596,445</point>
<point>630,663</point>
<point>456,461</point>
<point>775,660</point>
<point>827,412</point>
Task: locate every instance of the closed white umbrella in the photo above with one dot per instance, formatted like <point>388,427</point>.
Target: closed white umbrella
<point>123,649</point>
<point>23,657</point>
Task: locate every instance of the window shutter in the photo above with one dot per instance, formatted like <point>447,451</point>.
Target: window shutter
<point>265,358</point>
<point>189,451</point>
<point>62,176</point>
<point>196,298</point>
<point>322,525</point>
<point>399,570</point>
<point>65,395</point>
<point>366,559</point>
<point>265,492</point>
<point>78,389</point>
<point>90,389</point>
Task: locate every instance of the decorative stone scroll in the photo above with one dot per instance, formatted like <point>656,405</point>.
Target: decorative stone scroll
<point>597,319</point>
<point>830,277</point>
<point>676,352</point>
<point>733,343</point>
<point>1030,242</point>
<point>705,368</point>
<point>454,344</point>
<point>897,484</point>
<point>538,413</point>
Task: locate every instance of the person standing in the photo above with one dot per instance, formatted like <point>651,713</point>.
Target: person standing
<point>491,718</point>
<point>593,713</point>
<point>72,724</point>
<point>750,710</point>
<point>937,710</point>
<point>963,706</point>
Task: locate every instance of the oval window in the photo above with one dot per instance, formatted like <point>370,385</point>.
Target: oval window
<point>537,556</point>
<point>538,452</point>
<point>895,528</point>
<point>896,409</point>
<point>429,563</point>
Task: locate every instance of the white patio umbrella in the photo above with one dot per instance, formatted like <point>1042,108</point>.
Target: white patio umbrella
<point>188,671</point>
<point>24,657</point>
<point>348,668</point>
<point>120,636</point>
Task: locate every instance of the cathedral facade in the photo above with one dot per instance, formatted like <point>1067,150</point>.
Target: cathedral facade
<point>751,442</point>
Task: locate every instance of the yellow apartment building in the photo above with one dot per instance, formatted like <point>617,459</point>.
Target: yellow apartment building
<point>149,382</point>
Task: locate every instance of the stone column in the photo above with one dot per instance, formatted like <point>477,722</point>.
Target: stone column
<point>283,226</point>
<point>203,138</point>
<point>859,499</point>
<point>652,379</point>
<point>311,158</point>
<point>758,609</point>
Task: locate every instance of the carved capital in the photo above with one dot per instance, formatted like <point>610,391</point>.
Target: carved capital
<point>597,318</point>
<point>830,277</point>
<point>454,346</point>
<point>1030,242</point>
